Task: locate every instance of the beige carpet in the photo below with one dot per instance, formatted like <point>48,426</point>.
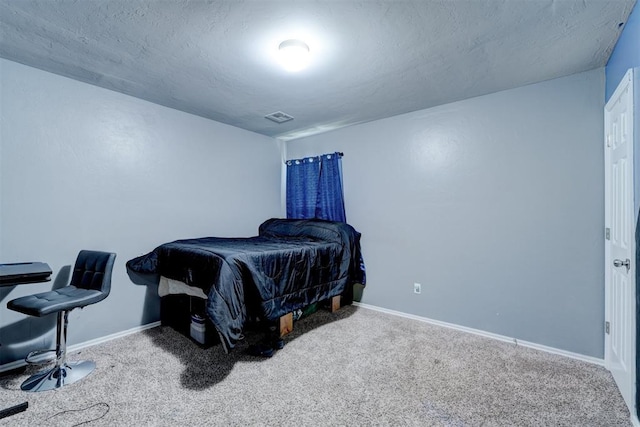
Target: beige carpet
<point>356,367</point>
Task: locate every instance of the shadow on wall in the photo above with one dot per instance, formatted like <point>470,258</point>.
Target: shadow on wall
<point>31,333</point>
<point>151,308</point>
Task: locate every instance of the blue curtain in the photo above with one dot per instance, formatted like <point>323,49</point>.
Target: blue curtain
<point>314,188</point>
<point>302,187</point>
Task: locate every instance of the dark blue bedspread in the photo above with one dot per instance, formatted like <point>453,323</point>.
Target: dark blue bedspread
<point>289,265</point>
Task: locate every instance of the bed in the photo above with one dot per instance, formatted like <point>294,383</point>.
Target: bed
<point>291,264</point>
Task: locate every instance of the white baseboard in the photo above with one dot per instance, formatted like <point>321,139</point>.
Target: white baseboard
<point>76,347</point>
<point>486,334</point>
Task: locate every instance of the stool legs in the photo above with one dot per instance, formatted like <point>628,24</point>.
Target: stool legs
<point>63,373</point>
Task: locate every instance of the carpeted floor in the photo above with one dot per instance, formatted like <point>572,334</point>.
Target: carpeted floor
<point>356,367</point>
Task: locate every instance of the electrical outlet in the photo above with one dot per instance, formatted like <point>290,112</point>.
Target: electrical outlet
<point>417,288</point>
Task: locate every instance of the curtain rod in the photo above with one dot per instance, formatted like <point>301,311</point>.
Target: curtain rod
<point>339,153</point>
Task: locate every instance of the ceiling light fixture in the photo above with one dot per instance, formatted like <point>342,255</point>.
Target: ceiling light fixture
<point>294,54</point>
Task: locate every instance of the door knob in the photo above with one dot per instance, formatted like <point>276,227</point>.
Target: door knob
<point>620,263</point>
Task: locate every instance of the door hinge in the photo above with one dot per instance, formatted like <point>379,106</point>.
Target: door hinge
<point>608,140</point>
<point>607,233</point>
<point>607,328</point>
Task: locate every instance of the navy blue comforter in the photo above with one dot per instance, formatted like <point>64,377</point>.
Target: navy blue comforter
<point>289,265</point>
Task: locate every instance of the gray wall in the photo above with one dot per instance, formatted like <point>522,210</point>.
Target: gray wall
<point>493,204</point>
<point>84,167</point>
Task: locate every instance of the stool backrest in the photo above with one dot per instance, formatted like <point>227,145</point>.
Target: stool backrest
<point>93,270</point>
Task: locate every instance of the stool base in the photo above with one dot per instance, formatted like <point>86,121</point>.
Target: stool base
<point>58,376</point>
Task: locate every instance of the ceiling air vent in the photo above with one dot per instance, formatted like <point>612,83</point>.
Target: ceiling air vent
<point>278,117</point>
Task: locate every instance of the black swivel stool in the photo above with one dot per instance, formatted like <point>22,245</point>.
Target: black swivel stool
<point>90,283</point>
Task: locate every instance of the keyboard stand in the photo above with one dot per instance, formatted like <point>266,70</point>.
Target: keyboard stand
<point>20,274</point>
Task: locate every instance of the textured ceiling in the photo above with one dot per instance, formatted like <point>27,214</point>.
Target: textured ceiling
<point>370,59</point>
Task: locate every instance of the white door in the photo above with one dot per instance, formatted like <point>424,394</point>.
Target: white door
<point>620,244</point>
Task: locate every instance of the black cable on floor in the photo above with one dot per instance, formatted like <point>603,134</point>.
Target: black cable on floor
<point>84,409</point>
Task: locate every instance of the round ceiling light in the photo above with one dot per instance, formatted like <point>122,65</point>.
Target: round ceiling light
<point>294,55</point>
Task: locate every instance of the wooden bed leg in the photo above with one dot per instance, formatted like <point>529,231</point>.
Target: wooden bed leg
<point>335,304</point>
<point>286,324</point>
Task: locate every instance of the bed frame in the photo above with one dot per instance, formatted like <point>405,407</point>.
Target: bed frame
<point>176,311</point>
